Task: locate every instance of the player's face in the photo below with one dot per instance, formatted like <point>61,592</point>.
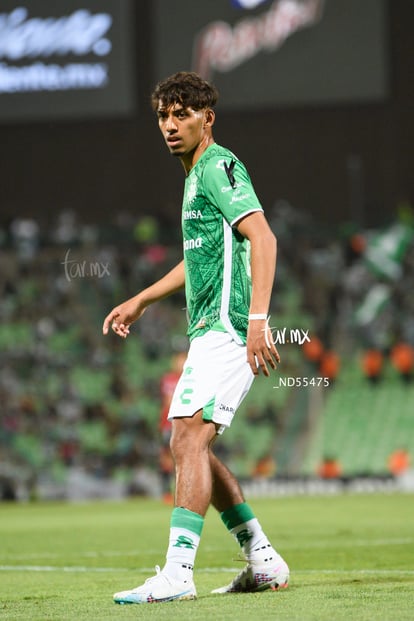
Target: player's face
<point>183,128</point>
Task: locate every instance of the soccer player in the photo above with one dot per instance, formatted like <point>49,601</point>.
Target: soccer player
<point>228,272</point>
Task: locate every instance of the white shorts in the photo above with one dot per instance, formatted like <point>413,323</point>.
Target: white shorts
<point>216,377</point>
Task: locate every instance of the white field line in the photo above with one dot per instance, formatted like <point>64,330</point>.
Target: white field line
<point>90,554</point>
<point>337,543</point>
<point>55,568</point>
<point>205,570</point>
<point>373,572</point>
<point>334,543</point>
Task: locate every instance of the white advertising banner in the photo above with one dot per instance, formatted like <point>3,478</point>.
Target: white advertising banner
<point>67,59</point>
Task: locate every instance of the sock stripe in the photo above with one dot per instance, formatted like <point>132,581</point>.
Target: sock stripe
<point>184,518</point>
<point>239,514</point>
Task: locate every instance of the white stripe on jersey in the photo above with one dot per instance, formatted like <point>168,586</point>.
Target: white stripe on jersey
<point>226,289</point>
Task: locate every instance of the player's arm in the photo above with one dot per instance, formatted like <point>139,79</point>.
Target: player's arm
<point>263,265</point>
<point>122,316</point>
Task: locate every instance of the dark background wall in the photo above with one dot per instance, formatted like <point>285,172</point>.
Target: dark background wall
<point>303,155</point>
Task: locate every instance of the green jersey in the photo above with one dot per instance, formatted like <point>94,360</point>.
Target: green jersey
<point>218,193</point>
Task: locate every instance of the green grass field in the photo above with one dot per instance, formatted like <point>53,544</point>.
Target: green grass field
<point>351,558</point>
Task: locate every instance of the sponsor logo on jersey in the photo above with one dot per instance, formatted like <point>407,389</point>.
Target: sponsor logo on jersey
<point>239,197</point>
<point>191,244</point>
<point>192,214</point>
<point>228,188</point>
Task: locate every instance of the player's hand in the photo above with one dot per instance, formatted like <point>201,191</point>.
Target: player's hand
<point>121,317</point>
<point>261,350</point>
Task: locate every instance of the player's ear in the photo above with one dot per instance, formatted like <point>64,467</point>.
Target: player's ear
<point>209,117</point>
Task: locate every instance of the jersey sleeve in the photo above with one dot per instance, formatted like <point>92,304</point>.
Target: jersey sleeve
<point>227,184</point>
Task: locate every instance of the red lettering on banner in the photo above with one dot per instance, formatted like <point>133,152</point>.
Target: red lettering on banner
<point>219,47</point>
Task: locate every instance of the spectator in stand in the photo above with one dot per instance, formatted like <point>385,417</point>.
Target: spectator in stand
<point>313,350</point>
<point>372,365</point>
<point>399,461</point>
<point>402,357</point>
<point>330,468</point>
<point>264,468</point>
<point>329,366</point>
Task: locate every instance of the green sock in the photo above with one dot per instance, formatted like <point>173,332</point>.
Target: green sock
<point>184,518</point>
<point>236,515</point>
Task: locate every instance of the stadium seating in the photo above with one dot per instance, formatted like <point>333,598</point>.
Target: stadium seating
<point>362,423</point>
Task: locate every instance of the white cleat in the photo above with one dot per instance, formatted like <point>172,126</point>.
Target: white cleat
<point>158,589</point>
<point>254,578</point>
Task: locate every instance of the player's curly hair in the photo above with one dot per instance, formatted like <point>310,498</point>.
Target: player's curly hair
<point>186,88</point>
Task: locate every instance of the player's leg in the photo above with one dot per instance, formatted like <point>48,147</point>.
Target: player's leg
<point>265,567</point>
<point>190,443</point>
<point>166,468</point>
<point>190,440</point>
<point>226,491</point>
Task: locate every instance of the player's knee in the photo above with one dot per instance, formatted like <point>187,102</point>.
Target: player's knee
<point>190,437</point>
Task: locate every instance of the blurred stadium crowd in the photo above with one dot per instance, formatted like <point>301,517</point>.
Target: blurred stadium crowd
<point>80,412</point>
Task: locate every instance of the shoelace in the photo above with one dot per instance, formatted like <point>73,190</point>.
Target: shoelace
<point>158,572</point>
<point>151,579</point>
<point>243,559</point>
